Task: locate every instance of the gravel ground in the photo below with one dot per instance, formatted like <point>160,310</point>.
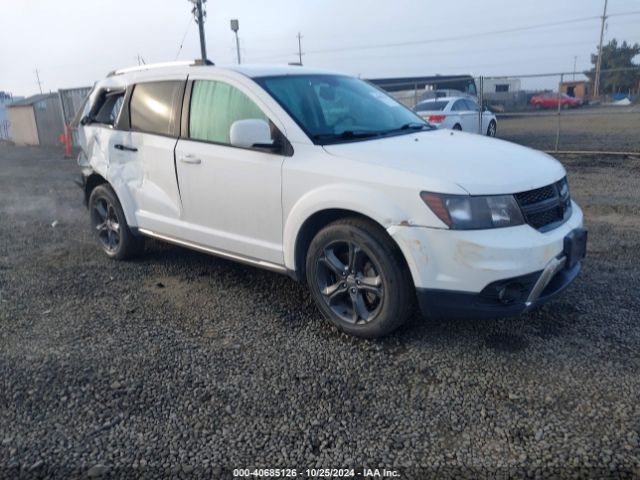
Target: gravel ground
<point>180,364</point>
<point>589,128</point>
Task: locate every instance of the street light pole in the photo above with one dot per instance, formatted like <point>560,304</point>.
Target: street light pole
<point>235,26</point>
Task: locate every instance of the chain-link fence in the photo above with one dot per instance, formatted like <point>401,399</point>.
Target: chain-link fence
<point>71,100</point>
<point>552,112</point>
<point>5,125</point>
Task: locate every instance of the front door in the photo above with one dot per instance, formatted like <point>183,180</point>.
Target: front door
<point>231,196</point>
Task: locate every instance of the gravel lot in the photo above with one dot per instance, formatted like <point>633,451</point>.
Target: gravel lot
<point>181,364</point>
<point>589,128</point>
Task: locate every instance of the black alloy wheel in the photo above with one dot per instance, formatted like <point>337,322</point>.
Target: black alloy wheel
<point>350,282</point>
<point>105,221</point>
<point>110,226</point>
<point>359,279</point>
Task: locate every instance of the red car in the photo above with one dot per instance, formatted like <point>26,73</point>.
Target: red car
<point>551,100</point>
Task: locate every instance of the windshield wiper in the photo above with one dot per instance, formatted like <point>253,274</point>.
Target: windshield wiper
<point>347,134</point>
<point>410,126</point>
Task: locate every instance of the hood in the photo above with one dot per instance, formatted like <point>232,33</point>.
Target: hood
<point>480,165</point>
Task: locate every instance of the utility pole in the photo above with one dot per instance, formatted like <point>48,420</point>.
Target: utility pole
<point>575,60</point>
<point>39,82</point>
<point>235,26</point>
<point>299,49</point>
<point>596,87</point>
<point>199,15</point>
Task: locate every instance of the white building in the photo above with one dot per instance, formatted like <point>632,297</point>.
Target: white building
<point>500,85</point>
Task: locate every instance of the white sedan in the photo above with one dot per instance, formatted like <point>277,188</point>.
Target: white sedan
<point>457,113</point>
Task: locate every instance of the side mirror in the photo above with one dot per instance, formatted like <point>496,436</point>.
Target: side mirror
<point>251,132</point>
<point>86,120</point>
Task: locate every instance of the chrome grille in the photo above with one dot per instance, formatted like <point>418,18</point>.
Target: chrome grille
<point>547,207</point>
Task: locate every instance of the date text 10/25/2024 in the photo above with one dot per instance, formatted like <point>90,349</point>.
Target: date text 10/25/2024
<point>314,473</point>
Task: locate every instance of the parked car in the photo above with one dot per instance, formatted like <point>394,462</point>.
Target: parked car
<point>457,113</point>
<point>326,178</point>
<point>552,100</point>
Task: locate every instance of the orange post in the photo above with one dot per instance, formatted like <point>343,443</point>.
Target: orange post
<point>67,141</point>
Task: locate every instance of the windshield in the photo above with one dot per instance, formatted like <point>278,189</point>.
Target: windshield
<point>336,108</point>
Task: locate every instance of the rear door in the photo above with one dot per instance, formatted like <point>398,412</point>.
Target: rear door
<point>231,196</point>
<point>457,115</point>
<point>474,116</point>
<point>154,110</point>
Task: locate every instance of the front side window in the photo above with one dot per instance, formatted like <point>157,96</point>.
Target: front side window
<point>336,108</point>
<point>214,107</point>
<point>155,107</point>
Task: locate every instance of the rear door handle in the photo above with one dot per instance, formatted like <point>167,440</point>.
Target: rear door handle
<point>190,159</point>
<point>125,148</point>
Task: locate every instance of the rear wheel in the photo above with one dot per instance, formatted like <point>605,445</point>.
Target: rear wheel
<point>457,126</point>
<point>358,278</point>
<point>491,131</point>
<point>109,225</point>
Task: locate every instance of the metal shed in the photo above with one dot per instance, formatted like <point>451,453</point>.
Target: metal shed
<point>36,120</point>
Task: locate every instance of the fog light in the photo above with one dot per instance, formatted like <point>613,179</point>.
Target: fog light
<point>511,293</point>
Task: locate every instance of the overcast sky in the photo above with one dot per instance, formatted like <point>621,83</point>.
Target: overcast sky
<point>75,42</point>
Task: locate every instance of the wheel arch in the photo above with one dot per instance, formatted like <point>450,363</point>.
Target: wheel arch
<point>94,180</point>
<point>316,222</point>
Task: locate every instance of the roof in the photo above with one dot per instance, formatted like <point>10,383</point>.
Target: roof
<point>249,70</point>
<point>257,70</point>
<point>32,100</point>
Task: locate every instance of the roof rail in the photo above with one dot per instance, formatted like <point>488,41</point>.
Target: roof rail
<point>152,66</point>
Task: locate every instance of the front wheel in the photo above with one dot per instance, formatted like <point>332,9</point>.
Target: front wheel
<point>110,226</point>
<point>491,131</point>
<point>358,278</point>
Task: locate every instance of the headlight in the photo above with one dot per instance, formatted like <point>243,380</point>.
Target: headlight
<point>465,212</point>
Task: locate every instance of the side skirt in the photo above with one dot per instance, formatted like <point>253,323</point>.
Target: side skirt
<point>217,253</point>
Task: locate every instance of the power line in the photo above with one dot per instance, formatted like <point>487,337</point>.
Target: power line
<point>457,37</point>
<point>461,37</point>
<point>39,83</point>
<point>184,37</point>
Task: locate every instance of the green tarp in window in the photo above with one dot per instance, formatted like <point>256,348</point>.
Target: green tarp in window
<point>214,107</point>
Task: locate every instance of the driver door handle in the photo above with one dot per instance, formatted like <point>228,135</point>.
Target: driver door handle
<point>190,159</point>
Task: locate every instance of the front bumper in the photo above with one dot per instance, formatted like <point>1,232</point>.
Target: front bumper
<point>490,304</point>
<point>463,272</point>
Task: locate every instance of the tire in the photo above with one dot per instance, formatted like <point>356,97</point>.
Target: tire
<point>358,278</point>
<point>109,225</point>
<point>457,127</point>
<point>491,130</point>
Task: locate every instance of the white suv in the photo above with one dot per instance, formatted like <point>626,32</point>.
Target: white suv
<point>326,178</point>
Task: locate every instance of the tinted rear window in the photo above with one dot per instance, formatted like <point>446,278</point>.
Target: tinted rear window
<point>429,106</point>
<point>155,107</point>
